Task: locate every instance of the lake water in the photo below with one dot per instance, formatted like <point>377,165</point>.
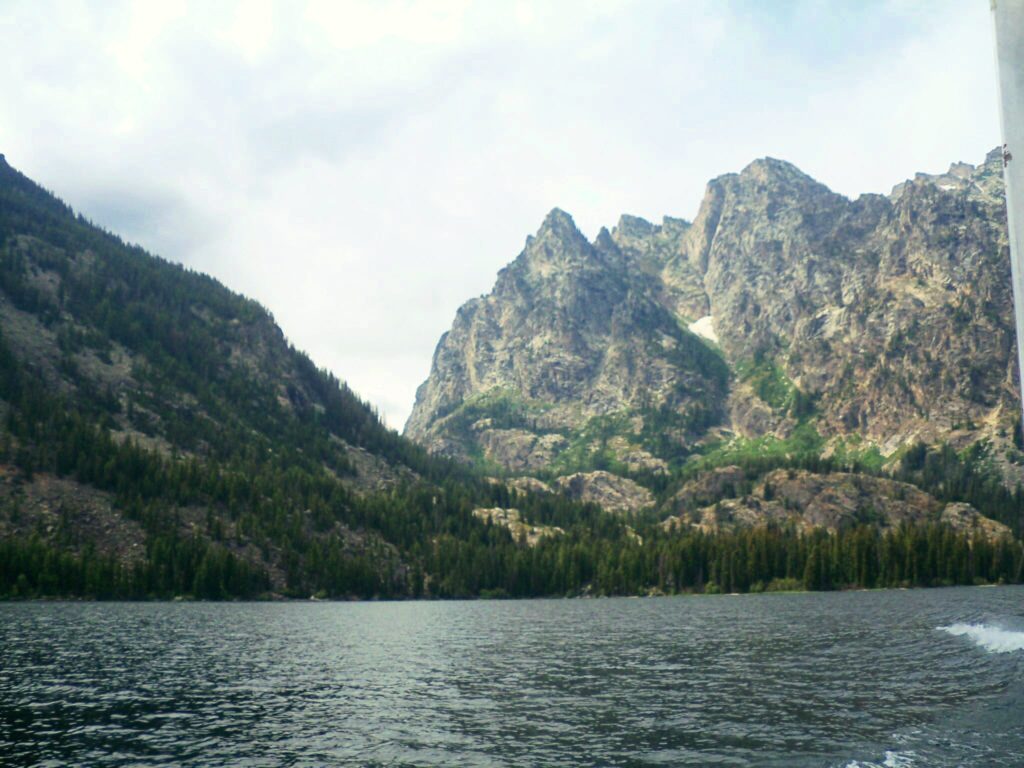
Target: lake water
<point>917,678</point>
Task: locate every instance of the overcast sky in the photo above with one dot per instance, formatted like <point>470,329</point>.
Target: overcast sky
<point>363,168</point>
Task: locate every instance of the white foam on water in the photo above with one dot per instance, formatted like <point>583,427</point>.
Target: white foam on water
<point>992,639</point>
<point>892,759</point>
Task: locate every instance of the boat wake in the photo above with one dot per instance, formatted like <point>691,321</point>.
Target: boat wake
<point>992,639</point>
<point>891,760</point>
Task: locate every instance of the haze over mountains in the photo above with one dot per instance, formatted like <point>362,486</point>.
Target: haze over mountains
<point>795,389</point>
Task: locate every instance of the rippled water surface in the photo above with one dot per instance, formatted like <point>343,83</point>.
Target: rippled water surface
<point>920,678</point>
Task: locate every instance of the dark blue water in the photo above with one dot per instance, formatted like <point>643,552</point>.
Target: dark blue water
<point>849,679</point>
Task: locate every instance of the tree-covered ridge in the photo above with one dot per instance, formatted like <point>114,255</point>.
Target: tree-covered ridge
<point>227,449</point>
<point>186,333</point>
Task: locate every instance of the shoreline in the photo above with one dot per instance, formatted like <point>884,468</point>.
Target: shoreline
<point>279,599</point>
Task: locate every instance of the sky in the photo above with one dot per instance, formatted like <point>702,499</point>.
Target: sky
<point>362,168</point>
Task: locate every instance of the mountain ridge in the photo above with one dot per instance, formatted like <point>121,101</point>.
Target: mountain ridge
<point>828,312</point>
<point>160,437</point>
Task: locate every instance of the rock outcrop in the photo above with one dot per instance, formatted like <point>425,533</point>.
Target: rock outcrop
<point>893,313</point>
<point>611,492</point>
<point>574,335</point>
<point>531,535</point>
<point>886,320</point>
<point>833,502</point>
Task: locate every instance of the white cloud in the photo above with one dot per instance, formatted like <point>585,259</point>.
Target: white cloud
<point>362,168</point>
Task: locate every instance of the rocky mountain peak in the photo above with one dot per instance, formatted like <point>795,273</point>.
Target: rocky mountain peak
<point>673,225</point>
<point>647,245</point>
<point>770,180</point>
<point>984,179</point>
<point>961,169</point>
<point>882,319</point>
<point>634,226</point>
<point>605,243</point>
<point>770,168</point>
<point>559,225</point>
<point>570,333</point>
<point>558,242</point>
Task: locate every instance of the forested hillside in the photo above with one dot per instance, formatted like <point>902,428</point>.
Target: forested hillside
<point>160,432</point>
<point>159,437</point>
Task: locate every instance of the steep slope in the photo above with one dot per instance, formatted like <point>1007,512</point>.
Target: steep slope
<point>894,314</point>
<point>572,343</point>
<point>813,327</point>
<point>163,391</point>
<point>160,436</point>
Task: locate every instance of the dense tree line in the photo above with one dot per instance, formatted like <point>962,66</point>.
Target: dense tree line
<point>490,563</point>
<point>172,567</point>
<point>953,476</point>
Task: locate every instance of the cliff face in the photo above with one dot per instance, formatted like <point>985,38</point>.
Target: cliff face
<point>783,309</point>
<point>834,502</point>
<point>894,313</point>
<point>574,336</point>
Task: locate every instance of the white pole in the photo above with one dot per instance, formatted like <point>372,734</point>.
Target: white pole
<point>1009,23</point>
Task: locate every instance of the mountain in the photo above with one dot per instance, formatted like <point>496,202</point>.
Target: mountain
<point>894,314</point>
<point>572,339</point>
<point>786,324</point>
<point>159,438</point>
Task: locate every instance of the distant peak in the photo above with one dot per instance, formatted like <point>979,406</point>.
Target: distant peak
<point>559,231</point>
<point>772,167</point>
<point>961,170</point>
<point>558,225</point>
<point>959,177</point>
<point>779,177</point>
<point>557,218</point>
<point>634,226</point>
<point>674,224</point>
<point>604,239</point>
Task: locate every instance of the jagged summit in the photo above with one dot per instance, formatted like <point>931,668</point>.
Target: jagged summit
<point>604,240</point>
<point>881,319</point>
<point>558,219</point>
<point>635,226</point>
<point>562,323</point>
<point>557,234</point>
<point>771,166</point>
<point>985,178</point>
<point>778,179</point>
<point>763,170</point>
<point>558,222</point>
